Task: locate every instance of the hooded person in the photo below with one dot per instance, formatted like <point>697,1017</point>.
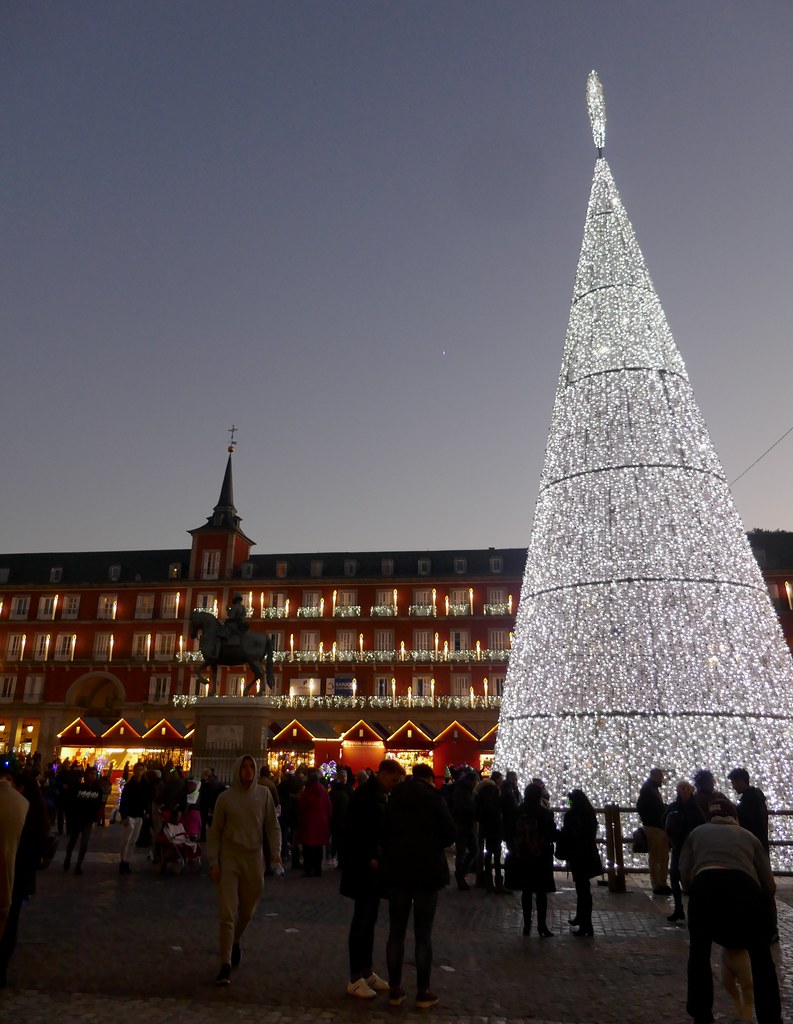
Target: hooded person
<point>236,863</point>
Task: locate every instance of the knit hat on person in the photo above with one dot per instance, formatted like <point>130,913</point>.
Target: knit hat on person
<point>721,807</point>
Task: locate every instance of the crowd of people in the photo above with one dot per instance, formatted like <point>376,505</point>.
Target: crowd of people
<point>720,857</point>
<point>389,834</point>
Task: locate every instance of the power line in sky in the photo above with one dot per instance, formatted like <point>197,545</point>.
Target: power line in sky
<point>760,457</point>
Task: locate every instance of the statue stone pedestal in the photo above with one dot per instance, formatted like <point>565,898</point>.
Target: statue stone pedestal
<point>228,727</point>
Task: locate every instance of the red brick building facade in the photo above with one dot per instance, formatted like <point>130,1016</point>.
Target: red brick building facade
<point>96,654</point>
<point>377,653</point>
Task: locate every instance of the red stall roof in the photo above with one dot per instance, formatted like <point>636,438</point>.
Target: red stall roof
<point>411,736</point>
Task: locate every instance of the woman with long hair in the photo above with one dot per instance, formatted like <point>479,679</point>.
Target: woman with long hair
<point>579,848</point>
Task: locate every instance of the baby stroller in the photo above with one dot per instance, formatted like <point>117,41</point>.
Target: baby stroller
<point>176,849</point>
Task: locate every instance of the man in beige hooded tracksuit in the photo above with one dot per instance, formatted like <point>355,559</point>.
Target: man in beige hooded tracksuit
<point>234,851</point>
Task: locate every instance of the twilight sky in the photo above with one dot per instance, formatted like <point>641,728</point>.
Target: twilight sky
<point>351,228</point>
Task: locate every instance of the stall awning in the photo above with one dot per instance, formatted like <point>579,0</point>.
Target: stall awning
<point>365,732</point>
<point>124,731</point>
<point>411,736</point>
<point>167,730</point>
<point>82,730</point>
<point>461,731</point>
<point>488,741</point>
<point>302,736</point>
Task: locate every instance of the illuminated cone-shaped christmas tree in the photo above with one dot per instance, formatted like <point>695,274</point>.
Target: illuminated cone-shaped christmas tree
<point>644,634</point>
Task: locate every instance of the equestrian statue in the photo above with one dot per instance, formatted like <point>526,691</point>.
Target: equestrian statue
<point>232,643</point>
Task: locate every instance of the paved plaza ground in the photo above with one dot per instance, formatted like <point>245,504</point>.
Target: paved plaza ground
<point>143,948</point>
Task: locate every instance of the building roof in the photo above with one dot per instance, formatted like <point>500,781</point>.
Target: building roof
<point>93,567</point>
<point>773,549</point>
<point>224,515</point>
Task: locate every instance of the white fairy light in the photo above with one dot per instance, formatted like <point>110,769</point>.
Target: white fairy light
<point>596,106</point>
<point>644,633</point>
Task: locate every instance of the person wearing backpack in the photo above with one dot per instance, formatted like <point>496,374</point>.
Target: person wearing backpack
<point>531,858</point>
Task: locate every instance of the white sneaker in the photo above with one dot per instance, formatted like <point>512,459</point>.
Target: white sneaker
<point>360,989</point>
<point>376,983</point>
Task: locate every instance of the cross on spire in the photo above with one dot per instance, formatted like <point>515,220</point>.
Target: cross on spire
<point>233,445</point>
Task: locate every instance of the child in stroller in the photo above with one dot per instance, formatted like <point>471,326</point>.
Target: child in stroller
<point>175,845</point>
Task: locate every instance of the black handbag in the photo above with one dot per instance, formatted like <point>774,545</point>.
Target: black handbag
<point>640,841</point>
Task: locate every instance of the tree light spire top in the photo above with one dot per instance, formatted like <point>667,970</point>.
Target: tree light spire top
<point>596,105</point>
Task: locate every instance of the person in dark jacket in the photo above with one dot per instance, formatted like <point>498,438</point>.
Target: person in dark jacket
<point>361,873</point>
<point>211,788</point>
<point>289,790</point>
<point>491,830</point>
<point>418,828</point>
<point>531,858</point>
<point>266,781</point>
<point>340,795</point>
<point>752,808</point>
<point>652,811</point>
<point>81,813</point>
<point>683,817</point>
<point>466,847</point>
<point>579,848</point>
<point>705,791</point>
<point>510,802</point>
<point>753,816</point>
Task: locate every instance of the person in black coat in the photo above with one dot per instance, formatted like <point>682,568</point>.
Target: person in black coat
<point>340,795</point>
<point>418,828</point>
<point>683,817</point>
<point>466,845</point>
<point>491,830</point>
<point>86,799</point>
<point>510,802</point>
<point>752,806</point>
<point>578,847</point>
<point>531,858</point>
<point>361,873</point>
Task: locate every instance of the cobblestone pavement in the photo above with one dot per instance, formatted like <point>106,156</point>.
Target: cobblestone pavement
<point>105,947</point>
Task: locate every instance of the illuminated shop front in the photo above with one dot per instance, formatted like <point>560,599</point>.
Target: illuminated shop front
<point>411,744</point>
<point>364,745</point>
<point>310,744</point>
<point>111,745</point>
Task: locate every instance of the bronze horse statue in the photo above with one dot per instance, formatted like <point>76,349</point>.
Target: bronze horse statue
<point>252,649</point>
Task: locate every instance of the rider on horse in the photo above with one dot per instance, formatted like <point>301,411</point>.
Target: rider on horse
<point>235,625</point>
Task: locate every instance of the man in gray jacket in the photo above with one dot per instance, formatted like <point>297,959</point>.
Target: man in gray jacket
<point>731,890</point>
<point>236,862</point>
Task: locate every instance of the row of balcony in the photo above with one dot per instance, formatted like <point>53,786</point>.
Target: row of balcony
<point>288,657</point>
<point>312,611</point>
<point>373,657</point>
<point>334,702</point>
<point>382,611</point>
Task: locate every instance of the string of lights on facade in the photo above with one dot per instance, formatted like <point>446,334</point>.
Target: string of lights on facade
<point>644,633</point>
